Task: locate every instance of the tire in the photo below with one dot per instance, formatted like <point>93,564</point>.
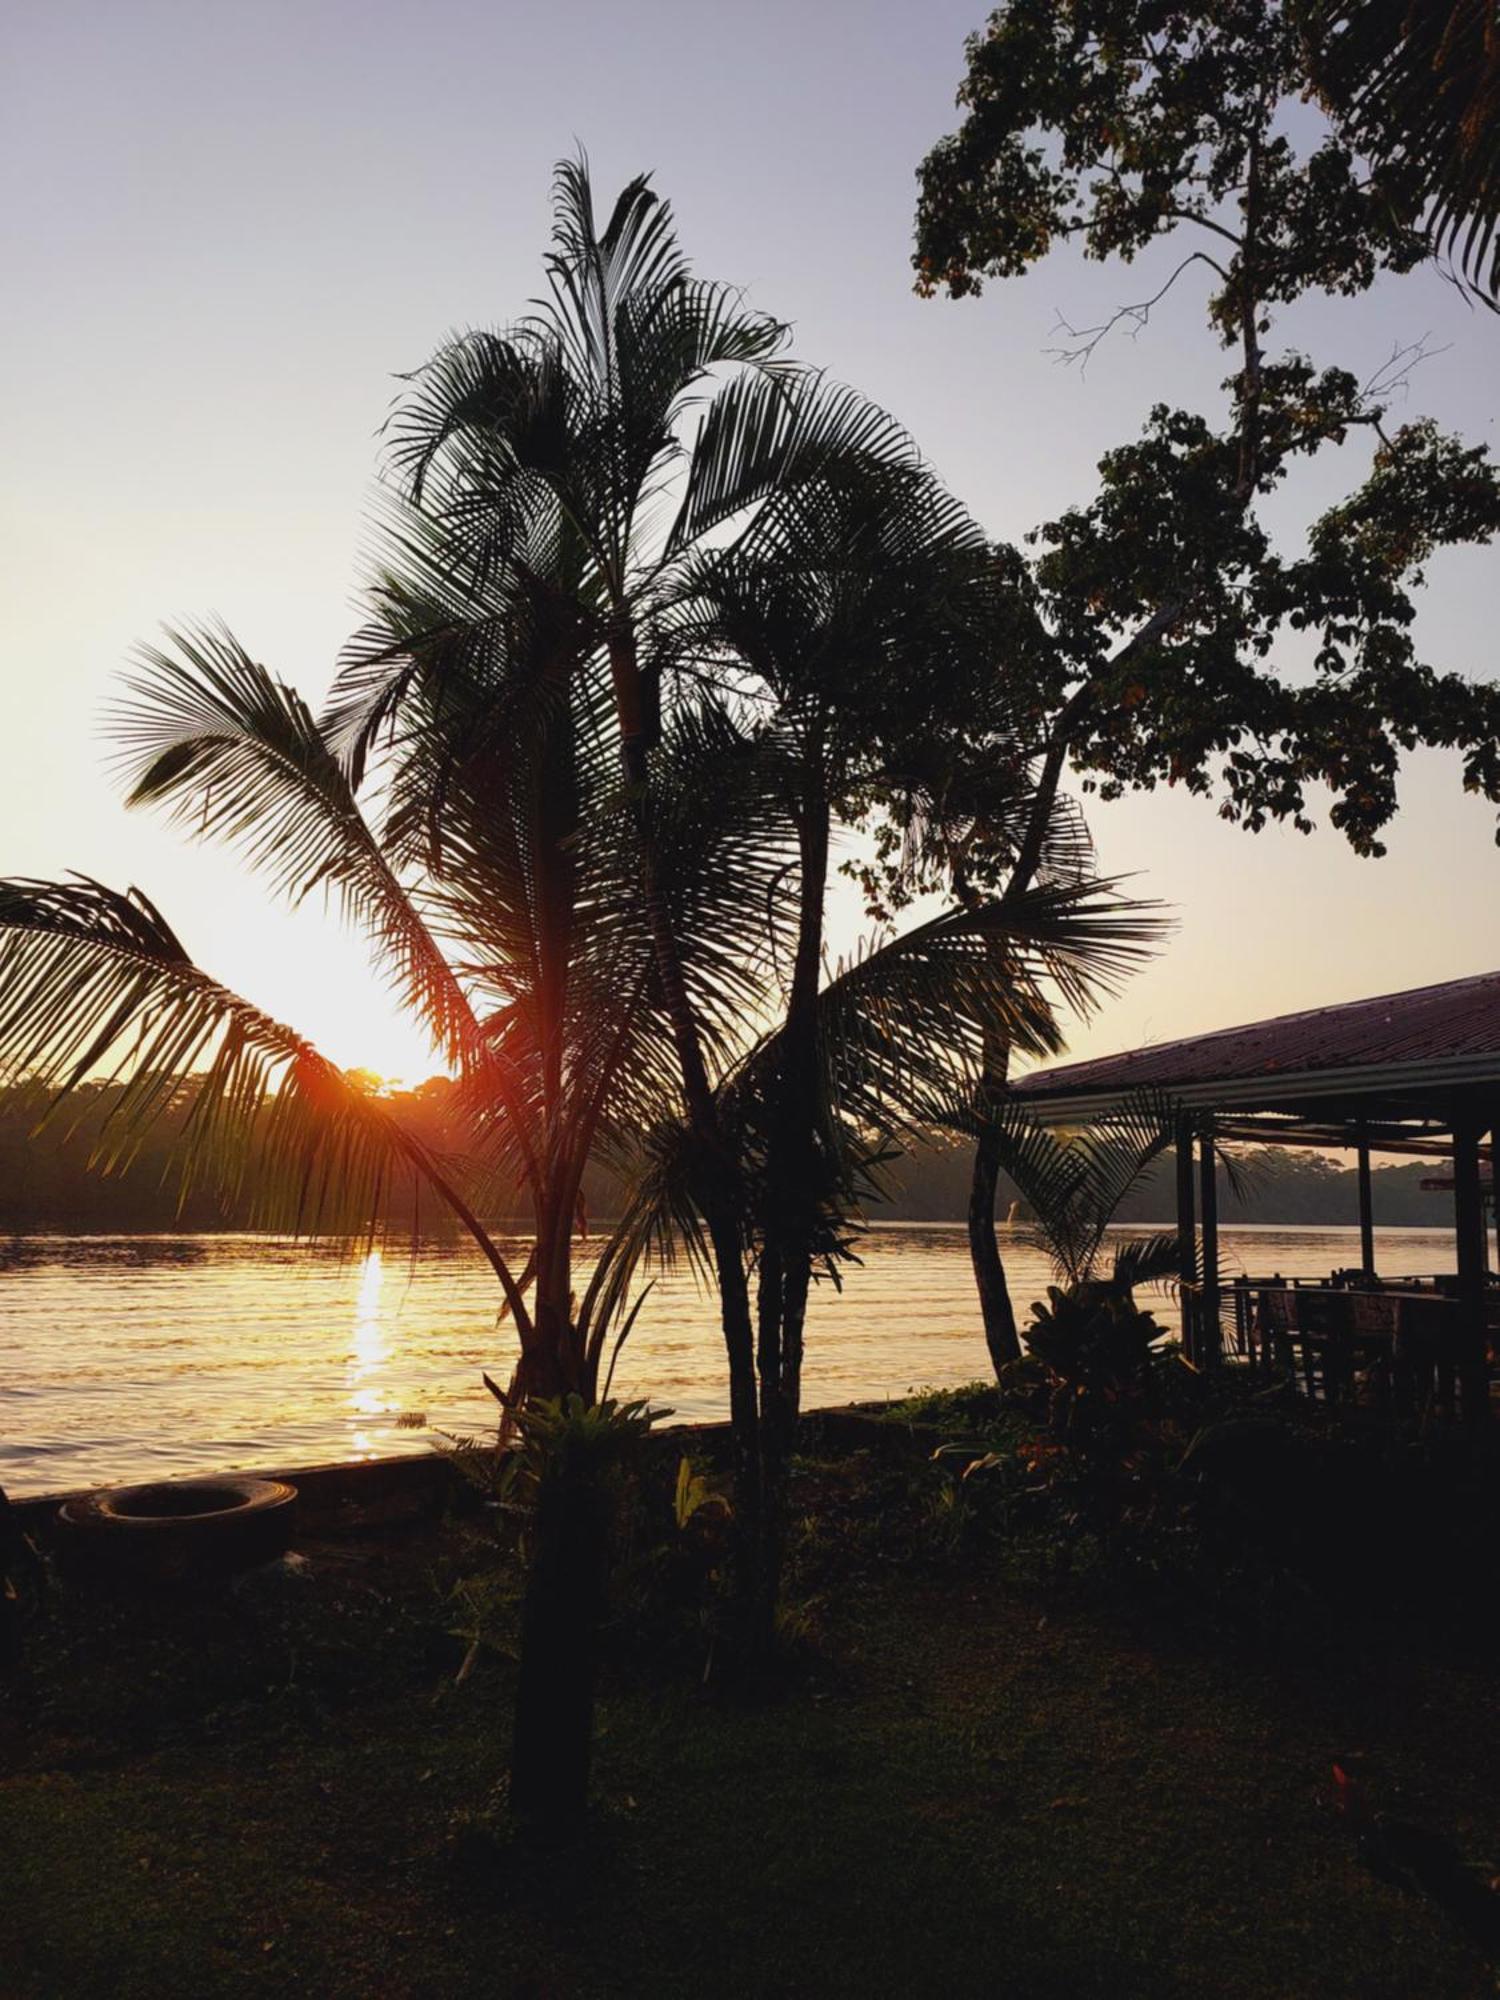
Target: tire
<point>178,1531</point>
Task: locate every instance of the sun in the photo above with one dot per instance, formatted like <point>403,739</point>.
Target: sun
<point>371,1083</point>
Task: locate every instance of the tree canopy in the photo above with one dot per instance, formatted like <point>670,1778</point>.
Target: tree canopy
<point>1175,639</point>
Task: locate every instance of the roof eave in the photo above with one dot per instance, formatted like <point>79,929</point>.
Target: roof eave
<point>1064,1105</point>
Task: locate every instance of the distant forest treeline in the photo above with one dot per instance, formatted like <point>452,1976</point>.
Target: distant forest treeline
<point>46,1181</point>
<point>1278,1185</point>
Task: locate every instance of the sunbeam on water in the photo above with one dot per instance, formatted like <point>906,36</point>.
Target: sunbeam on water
<point>132,1358</point>
<point>367,1358</point>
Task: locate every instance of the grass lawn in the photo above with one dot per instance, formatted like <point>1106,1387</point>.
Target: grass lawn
<point>974,1782</point>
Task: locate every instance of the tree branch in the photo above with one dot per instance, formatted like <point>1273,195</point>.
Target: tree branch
<point>1138,316</point>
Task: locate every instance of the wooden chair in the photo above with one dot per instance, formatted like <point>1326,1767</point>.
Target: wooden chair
<point>1323,1332</point>
<point>1425,1358</point>
<point>1273,1326</point>
<point>1372,1327</point>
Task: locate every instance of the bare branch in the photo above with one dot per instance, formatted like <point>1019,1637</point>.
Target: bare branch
<point>1136,317</point>
<point>1393,376</point>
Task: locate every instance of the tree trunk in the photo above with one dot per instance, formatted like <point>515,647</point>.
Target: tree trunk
<point>770,1306</point>
<point>793,1319</point>
<point>564,1607</point>
<point>1000,1335</point>
<point>790,1203</point>
<point>552,1367</point>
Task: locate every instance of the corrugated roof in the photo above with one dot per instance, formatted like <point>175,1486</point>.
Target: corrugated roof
<point>1451,1027</point>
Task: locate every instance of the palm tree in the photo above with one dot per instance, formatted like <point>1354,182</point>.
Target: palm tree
<point>648,414</point>
<point>863,601</point>
<point>752,532</point>
<point>863,611</point>
<point>493,889</point>
<point>1416,84</point>
<point>653,611</point>
<point>1074,1183</point>
<point>1090,1336</point>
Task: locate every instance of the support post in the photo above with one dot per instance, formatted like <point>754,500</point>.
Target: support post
<point>1468,1222</point>
<point>1366,1208</point>
<point>1187,1247</point>
<point>1211,1331</point>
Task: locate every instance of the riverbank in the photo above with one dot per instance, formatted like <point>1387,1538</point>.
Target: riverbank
<point>982,1773</point>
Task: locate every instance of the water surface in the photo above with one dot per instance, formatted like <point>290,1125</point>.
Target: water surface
<point>126,1358</point>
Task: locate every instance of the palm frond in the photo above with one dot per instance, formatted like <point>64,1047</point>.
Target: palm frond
<point>1146,1260</point>
<point>234,755</point>
<point>771,430</point>
<point>1075,1181</point>
<point>1417,85</point>
<point>908,1028</point>
<point>93,978</point>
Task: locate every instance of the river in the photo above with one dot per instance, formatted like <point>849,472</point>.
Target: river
<point>135,1357</point>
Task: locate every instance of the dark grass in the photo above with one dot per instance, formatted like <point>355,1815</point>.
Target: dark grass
<point>977,1779</point>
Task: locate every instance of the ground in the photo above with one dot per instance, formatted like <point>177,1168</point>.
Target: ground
<point>976,1780</point>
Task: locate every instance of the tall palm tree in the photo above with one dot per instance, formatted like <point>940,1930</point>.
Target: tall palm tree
<point>863,601</point>
<point>861,609</point>
<point>648,413</point>
<point>653,613</point>
<point>660,420</point>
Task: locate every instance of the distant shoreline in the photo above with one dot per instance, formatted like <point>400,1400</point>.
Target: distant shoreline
<point>521,1226</point>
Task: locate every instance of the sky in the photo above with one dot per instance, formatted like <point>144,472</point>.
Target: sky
<point>224,232</point>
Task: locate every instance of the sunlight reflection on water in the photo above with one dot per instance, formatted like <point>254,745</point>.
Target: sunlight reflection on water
<point>133,1358</point>
<point>368,1356</point>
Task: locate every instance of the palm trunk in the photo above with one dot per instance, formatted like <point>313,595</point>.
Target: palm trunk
<point>791,1194</point>
<point>999,1315</point>
<point>551,1369</point>
<point>794,1317</point>
<point>718,1192</point>
<point>554,896</point>
<point>792,1163</point>
<point>997,1312</point>
<point>564,1605</point>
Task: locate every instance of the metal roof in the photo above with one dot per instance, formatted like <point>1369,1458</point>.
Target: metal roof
<point>1403,1053</point>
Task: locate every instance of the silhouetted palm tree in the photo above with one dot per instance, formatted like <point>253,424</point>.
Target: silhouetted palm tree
<point>763,561</point>
<point>640,410</point>
<point>497,891</point>
<point>546,1022</point>
<point>862,601</point>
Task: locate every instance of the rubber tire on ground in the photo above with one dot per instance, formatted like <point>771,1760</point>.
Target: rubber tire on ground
<point>171,1532</point>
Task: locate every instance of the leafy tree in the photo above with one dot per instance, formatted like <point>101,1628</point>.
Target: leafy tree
<point>1167,637</point>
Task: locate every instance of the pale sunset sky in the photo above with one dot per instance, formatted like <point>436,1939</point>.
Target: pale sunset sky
<point>226,229</point>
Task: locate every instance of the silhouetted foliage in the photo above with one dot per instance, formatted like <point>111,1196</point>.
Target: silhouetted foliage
<point>1169,637</point>
<point>1415,85</point>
